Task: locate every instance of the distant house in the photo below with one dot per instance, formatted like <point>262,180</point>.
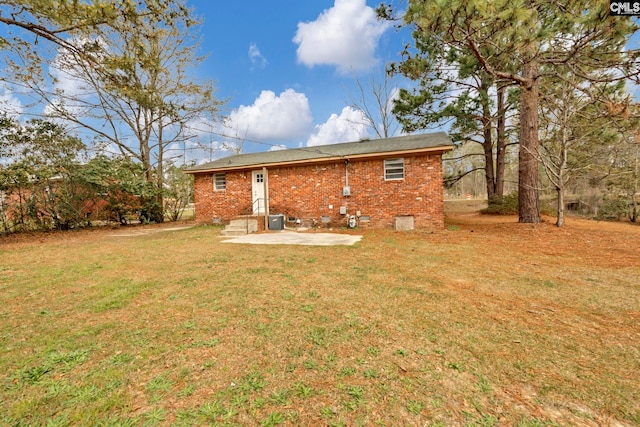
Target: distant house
<point>392,182</point>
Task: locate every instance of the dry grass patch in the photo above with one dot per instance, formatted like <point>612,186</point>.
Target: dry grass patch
<point>488,323</point>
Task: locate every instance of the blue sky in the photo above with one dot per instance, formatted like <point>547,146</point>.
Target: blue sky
<point>287,67</point>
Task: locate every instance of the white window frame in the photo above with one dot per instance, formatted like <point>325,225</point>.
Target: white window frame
<point>219,182</point>
<point>394,169</point>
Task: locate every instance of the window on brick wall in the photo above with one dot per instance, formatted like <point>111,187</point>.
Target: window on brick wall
<point>393,169</point>
<point>219,182</point>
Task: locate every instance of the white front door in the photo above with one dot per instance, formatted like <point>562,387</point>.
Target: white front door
<point>258,192</point>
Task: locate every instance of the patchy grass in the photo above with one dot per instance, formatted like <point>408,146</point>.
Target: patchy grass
<point>488,322</point>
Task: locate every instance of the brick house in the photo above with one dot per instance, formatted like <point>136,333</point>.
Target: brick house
<point>392,182</point>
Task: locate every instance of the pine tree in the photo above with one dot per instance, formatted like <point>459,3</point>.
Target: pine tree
<point>514,41</point>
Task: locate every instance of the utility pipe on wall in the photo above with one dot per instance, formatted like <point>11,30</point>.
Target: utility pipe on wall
<point>266,198</point>
<point>346,172</point>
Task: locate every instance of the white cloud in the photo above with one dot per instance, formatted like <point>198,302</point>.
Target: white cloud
<point>67,81</point>
<point>272,117</point>
<point>257,59</point>
<point>345,35</point>
<point>198,151</point>
<point>71,89</point>
<point>9,104</point>
<point>350,125</point>
<point>206,142</point>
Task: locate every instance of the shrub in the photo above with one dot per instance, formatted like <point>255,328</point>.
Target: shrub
<point>507,205</point>
<point>613,209</point>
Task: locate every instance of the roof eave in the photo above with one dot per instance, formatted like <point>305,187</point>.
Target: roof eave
<point>431,150</point>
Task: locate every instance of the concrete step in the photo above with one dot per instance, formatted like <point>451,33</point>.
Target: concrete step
<point>239,227</point>
<point>231,233</point>
<point>244,222</point>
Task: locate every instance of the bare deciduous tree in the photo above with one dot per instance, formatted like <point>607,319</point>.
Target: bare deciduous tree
<point>375,101</point>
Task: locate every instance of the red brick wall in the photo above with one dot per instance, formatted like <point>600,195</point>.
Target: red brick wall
<point>315,191</point>
<point>225,205</point>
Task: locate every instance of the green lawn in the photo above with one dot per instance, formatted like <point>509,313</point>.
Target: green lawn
<point>477,325</point>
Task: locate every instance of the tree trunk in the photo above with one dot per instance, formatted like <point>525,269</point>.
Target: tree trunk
<point>560,220</point>
<point>529,203</point>
<point>501,141</point>
<point>158,213</point>
<point>633,217</point>
<point>487,144</point>
<point>158,208</point>
<point>562,170</point>
<point>145,158</point>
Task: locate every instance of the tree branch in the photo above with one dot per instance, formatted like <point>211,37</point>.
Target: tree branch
<point>452,180</point>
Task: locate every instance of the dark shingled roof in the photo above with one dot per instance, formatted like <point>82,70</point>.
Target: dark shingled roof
<point>438,141</point>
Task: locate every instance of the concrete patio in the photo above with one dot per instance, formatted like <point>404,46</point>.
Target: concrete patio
<point>295,238</point>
